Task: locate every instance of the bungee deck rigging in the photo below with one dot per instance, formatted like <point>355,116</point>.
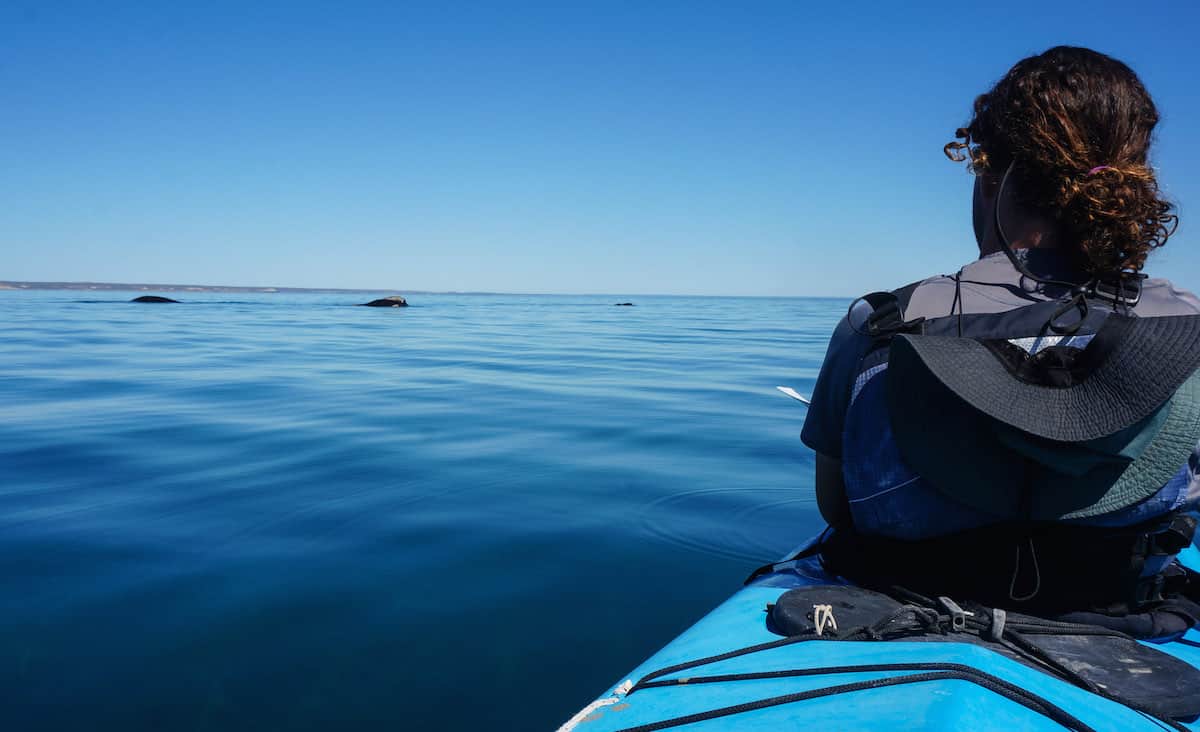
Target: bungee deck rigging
<point>908,668</point>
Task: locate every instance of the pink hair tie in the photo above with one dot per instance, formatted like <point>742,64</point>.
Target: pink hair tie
<point>1098,168</point>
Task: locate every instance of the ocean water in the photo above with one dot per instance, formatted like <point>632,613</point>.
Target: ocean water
<point>280,512</point>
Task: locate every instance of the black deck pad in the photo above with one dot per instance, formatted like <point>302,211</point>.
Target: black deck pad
<point>1132,672</point>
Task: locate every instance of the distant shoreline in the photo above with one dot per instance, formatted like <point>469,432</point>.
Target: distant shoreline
<point>145,287</point>
<point>7,285</point>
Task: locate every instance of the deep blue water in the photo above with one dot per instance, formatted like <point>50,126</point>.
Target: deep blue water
<point>261,512</point>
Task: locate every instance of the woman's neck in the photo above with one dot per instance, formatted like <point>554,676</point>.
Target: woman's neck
<point>996,206</point>
<point>1024,235</point>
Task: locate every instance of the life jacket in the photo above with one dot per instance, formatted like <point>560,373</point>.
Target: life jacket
<point>906,532</point>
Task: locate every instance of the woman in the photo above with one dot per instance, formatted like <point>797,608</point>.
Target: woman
<point>983,433</point>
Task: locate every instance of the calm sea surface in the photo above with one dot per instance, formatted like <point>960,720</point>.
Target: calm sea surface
<point>279,512</point>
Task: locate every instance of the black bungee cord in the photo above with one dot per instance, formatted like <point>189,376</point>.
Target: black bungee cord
<point>923,620</point>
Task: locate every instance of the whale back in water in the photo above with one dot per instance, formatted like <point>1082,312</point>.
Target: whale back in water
<point>395,301</point>
<point>152,298</point>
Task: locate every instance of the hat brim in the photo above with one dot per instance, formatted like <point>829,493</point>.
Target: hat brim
<point>1160,461</point>
<point>1155,356</point>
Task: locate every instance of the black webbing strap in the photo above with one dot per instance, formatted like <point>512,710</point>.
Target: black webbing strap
<point>887,313</point>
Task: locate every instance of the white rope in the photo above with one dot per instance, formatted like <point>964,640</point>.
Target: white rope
<point>619,694</point>
<point>823,618</point>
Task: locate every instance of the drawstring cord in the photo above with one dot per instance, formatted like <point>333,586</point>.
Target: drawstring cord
<point>1078,300</point>
<point>1037,574</point>
<point>1025,506</point>
<point>957,305</point>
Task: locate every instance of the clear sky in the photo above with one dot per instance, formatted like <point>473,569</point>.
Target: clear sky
<point>749,148</point>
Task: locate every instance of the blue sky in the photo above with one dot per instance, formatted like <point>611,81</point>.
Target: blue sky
<point>643,147</point>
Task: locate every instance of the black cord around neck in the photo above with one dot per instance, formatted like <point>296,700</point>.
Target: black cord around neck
<point>1076,297</point>
<point>1073,287</point>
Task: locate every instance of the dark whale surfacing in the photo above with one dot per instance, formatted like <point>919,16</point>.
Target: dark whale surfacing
<point>395,301</point>
<point>152,298</point>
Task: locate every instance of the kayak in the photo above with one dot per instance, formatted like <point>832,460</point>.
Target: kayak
<point>730,671</point>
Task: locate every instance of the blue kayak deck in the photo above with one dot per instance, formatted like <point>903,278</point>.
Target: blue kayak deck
<point>941,704</point>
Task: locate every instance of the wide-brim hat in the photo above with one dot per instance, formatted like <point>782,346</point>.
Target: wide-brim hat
<point>978,428</point>
<point>1130,368</point>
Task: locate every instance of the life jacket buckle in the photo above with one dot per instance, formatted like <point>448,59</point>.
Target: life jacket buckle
<point>1177,537</point>
<point>958,616</point>
<point>1124,289</point>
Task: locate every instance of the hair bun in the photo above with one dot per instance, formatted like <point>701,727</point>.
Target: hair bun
<point>1054,115</point>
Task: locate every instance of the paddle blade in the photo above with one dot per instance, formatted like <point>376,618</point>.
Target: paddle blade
<point>794,394</point>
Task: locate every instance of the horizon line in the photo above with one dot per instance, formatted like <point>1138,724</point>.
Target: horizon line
<point>87,285</point>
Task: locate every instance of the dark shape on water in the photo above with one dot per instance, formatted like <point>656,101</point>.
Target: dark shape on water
<point>624,304</point>
<point>152,298</point>
<point>395,301</point>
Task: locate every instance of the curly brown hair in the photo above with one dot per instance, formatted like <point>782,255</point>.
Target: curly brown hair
<point>1075,125</point>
